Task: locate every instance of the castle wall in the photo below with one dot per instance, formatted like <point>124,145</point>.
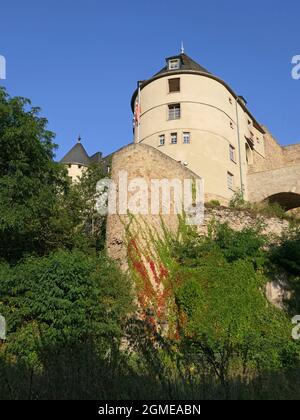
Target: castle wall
<point>276,173</point>
<point>141,161</point>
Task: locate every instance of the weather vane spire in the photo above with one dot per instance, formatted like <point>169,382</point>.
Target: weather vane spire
<point>182,48</point>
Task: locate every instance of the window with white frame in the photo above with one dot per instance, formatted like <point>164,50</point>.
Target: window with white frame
<point>174,112</point>
<point>174,64</point>
<point>186,138</point>
<point>232,153</point>
<point>162,140</point>
<point>173,138</point>
<point>230,180</point>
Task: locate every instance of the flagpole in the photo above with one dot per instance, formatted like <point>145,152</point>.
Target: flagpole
<point>139,113</point>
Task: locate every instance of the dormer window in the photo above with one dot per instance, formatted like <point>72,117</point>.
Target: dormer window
<point>174,64</point>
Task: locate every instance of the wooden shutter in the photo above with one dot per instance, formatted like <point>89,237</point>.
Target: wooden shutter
<point>174,85</point>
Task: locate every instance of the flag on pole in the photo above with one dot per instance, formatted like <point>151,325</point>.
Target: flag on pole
<point>137,112</point>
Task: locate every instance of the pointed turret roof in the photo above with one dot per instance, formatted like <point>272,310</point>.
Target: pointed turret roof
<point>77,155</point>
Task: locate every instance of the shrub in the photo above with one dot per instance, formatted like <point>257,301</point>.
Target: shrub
<point>66,298</point>
<point>213,203</point>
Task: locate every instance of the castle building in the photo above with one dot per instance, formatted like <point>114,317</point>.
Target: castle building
<point>195,118</point>
<point>77,160</point>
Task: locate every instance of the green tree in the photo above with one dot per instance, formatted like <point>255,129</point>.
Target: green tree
<point>30,180</point>
<point>65,299</point>
<point>285,257</point>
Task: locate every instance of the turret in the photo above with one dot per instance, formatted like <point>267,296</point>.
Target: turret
<point>194,117</point>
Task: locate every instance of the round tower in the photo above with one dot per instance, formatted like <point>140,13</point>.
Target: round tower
<point>195,118</point>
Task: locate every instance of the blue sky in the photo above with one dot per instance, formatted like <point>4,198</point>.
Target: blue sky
<point>80,60</point>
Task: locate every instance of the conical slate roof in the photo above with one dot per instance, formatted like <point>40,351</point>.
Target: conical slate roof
<point>187,63</point>
<point>77,155</point>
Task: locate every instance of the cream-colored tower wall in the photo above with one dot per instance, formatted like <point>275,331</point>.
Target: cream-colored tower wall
<point>209,114</point>
<point>75,171</point>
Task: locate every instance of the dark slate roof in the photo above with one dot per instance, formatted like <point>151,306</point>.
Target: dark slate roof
<point>97,157</point>
<point>77,155</point>
<point>187,63</point>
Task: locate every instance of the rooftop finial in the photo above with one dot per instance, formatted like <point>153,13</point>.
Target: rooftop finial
<point>182,48</point>
<point>79,139</point>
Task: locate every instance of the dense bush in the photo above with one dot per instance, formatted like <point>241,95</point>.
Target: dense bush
<point>285,258</point>
<point>64,299</point>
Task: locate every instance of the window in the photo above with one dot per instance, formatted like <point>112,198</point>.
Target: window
<point>186,138</point>
<point>230,101</point>
<point>249,155</point>
<point>230,180</point>
<point>232,153</point>
<point>174,112</point>
<point>174,64</point>
<point>173,138</point>
<point>174,85</point>
<point>231,125</point>
<point>79,166</point>
<point>162,140</point>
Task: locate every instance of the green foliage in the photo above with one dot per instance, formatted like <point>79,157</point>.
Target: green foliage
<point>29,179</point>
<point>245,244</point>
<point>287,254</point>
<point>270,210</point>
<point>75,222</point>
<point>238,201</point>
<point>286,257</point>
<point>226,321</point>
<point>265,208</point>
<point>64,299</point>
<point>213,203</point>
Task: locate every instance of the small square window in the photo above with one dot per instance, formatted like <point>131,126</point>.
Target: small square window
<point>174,85</point>
<point>230,181</point>
<point>174,112</point>
<point>162,140</point>
<point>231,125</point>
<point>186,138</point>
<point>174,64</point>
<point>232,153</point>
<point>173,138</point>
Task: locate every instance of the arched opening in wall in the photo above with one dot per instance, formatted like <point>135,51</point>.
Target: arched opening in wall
<point>287,200</point>
<point>249,154</point>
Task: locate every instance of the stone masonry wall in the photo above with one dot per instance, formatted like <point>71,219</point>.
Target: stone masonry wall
<point>140,160</point>
<point>277,173</point>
